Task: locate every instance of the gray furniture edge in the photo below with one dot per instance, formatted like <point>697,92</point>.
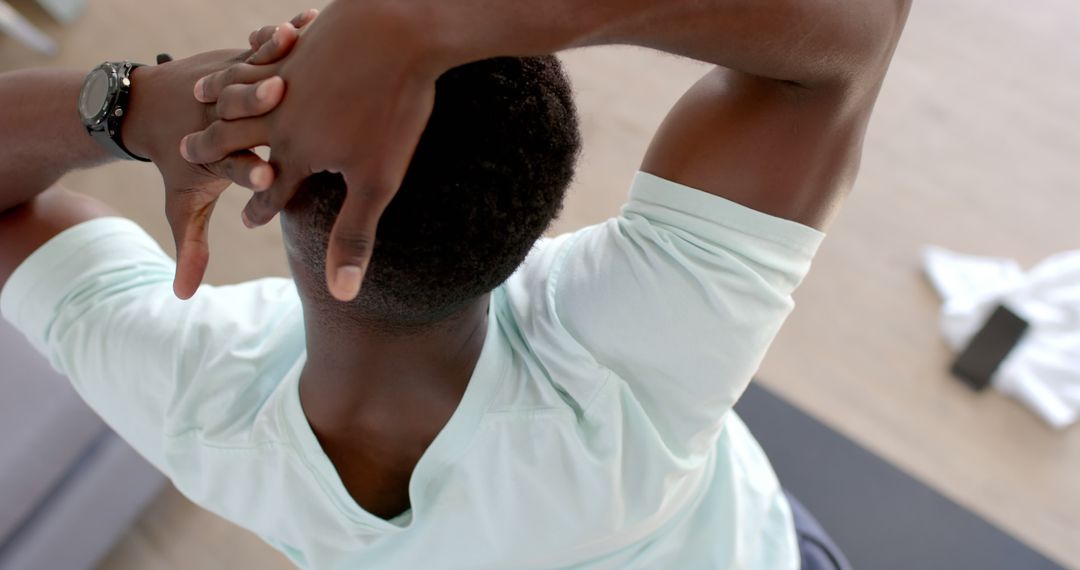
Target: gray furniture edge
<point>69,486</point>
<point>88,512</point>
<point>881,517</point>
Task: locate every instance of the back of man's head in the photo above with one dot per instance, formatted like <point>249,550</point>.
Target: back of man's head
<point>488,177</point>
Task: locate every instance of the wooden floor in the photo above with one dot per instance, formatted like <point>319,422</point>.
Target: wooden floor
<point>975,146</point>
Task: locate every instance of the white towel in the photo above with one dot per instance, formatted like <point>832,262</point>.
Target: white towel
<point>14,24</point>
<point>1043,371</point>
<point>66,11</point>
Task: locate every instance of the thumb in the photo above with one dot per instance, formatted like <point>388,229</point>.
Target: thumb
<point>352,240</point>
<point>190,227</point>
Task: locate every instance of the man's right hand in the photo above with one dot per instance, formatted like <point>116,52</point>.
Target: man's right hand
<point>361,85</point>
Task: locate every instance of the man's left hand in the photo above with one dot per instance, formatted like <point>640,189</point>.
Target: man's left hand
<point>163,111</point>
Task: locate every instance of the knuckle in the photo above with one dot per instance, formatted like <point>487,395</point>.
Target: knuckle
<point>224,105</point>
<point>260,215</point>
<point>251,98</point>
<point>354,243</point>
<point>212,137</point>
<point>259,210</point>
<point>227,77</point>
<point>265,34</point>
<point>271,50</point>
<point>219,110</point>
<point>211,113</point>
<point>283,148</point>
<point>253,213</point>
<point>257,216</point>
<point>280,199</point>
<point>212,84</point>
<point>229,169</point>
<point>211,141</point>
<point>259,201</point>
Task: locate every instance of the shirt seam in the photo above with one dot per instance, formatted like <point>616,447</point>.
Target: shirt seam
<point>197,433</point>
<point>813,236</point>
<point>20,295</point>
<point>528,413</point>
<point>47,245</point>
<point>552,293</point>
<point>789,244</point>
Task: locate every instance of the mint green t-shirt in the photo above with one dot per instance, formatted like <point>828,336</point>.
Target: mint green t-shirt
<point>597,430</point>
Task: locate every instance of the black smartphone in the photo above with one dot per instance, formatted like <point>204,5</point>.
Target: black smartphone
<point>989,347</point>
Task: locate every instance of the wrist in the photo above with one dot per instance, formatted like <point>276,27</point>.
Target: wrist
<point>137,127</point>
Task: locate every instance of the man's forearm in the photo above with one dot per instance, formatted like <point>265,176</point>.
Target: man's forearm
<point>41,136</point>
<point>807,42</point>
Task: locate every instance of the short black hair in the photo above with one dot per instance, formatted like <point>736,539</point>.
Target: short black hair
<point>488,177</point>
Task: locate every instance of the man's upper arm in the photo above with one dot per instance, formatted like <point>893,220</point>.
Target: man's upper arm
<point>26,228</point>
<point>780,148</point>
<point>682,294</point>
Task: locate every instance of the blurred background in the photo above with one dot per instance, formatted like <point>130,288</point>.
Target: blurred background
<point>975,146</point>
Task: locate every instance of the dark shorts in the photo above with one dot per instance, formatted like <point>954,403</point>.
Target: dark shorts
<point>818,551</point>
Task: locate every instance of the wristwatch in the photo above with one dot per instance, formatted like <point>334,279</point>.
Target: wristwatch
<point>103,104</point>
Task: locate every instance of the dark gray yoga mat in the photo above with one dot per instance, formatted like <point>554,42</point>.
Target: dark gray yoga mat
<point>881,518</point>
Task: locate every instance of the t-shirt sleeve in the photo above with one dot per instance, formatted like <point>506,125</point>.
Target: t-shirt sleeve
<point>97,301</point>
<point>680,297</point>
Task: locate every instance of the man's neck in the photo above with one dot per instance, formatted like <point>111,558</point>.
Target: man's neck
<point>361,378</point>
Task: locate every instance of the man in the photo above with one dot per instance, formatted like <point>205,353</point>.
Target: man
<point>429,403</point>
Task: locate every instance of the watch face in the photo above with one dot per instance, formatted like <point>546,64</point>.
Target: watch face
<point>95,94</point>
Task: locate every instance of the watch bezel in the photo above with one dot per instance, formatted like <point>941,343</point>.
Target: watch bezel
<point>100,117</point>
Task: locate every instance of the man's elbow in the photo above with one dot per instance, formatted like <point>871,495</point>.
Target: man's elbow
<point>860,55</point>
<point>19,189</point>
<point>882,32</point>
<point>26,227</point>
